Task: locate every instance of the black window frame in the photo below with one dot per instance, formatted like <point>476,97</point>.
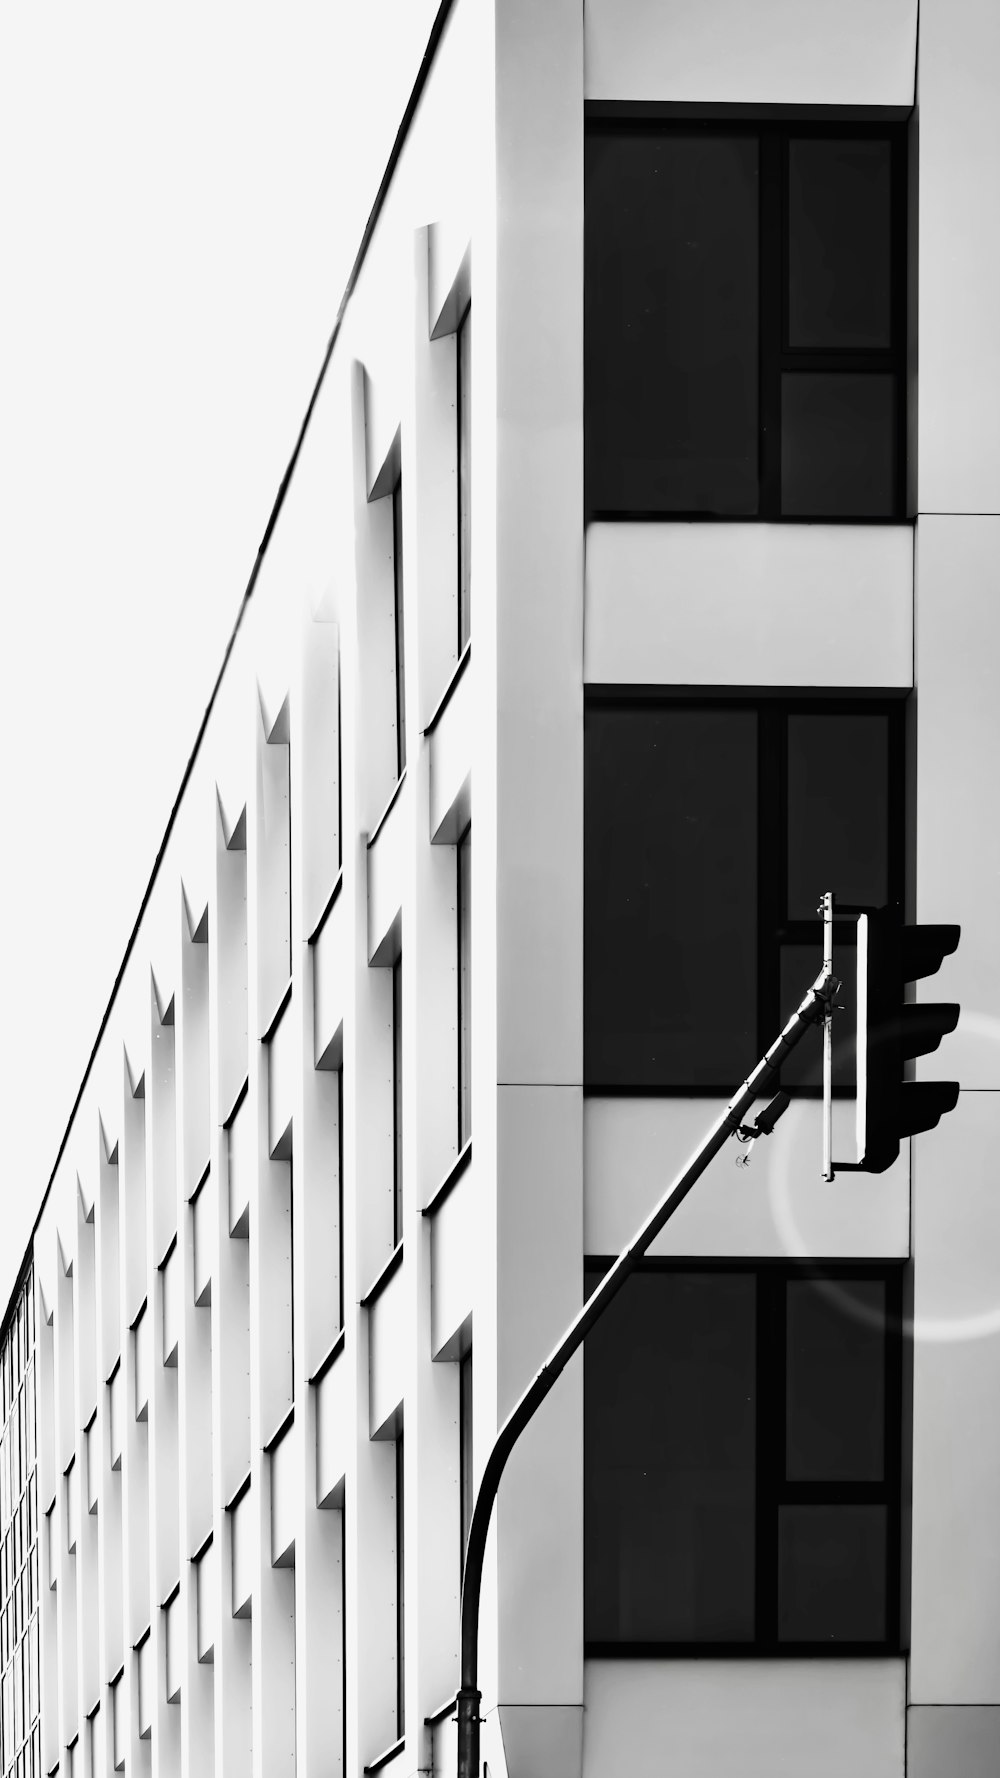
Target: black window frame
<point>772,1489</point>
<point>775,355</point>
<point>774,930</point>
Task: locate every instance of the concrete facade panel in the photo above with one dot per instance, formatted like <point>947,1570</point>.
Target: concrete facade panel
<point>451,763</point>
<point>281,1082</point>
<point>386,866</point>
<point>763,1719</point>
<point>958,838</point>
<point>955,1657</point>
<point>958,449</point>
<point>540,1286</point>
<point>776,1207</point>
<point>749,605</point>
<point>947,1742</point>
<point>387,1351</point>
<point>785,52</point>
<point>539,540</point>
<point>453,1231</point>
<point>284,1498</point>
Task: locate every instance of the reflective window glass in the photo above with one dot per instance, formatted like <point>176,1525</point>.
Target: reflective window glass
<point>669,1436</point>
<point>838,809</point>
<point>839,242</point>
<point>832,1573</point>
<point>671,333</point>
<point>835,1380</point>
<point>670,895</point>
<point>838,444</point>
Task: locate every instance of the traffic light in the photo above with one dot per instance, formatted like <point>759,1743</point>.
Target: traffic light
<point>892,1029</point>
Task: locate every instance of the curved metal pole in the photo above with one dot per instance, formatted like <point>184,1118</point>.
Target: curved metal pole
<point>812,1011</point>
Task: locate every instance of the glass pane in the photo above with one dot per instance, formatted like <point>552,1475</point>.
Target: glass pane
<point>799,966</point>
<point>832,1573</point>
<point>464,379</point>
<point>838,811</point>
<point>839,244</point>
<point>465,987</point>
<point>838,444</point>
<point>669,1459</point>
<point>835,1380</point>
<point>397,1099</point>
<point>397,570</point>
<point>670,896</point>
<point>670,322</point>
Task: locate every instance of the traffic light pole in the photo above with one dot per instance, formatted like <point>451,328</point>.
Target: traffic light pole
<point>814,1009</point>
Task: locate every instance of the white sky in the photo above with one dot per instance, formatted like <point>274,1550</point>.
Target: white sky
<point>182,194</point>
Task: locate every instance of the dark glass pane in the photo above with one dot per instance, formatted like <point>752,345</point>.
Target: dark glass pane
<point>838,811</point>
<point>835,1380</point>
<point>465,1469</point>
<point>670,896</point>
<point>799,966</point>
<point>669,1458</point>
<point>839,244</point>
<point>397,1100</point>
<point>670,322</point>
<point>832,1573</point>
<point>464,380</point>
<point>465,987</point>
<point>400,1590</point>
<point>838,444</point>
<point>397,569</point>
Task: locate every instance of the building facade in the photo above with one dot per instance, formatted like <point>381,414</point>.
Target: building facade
<point>675,585</point>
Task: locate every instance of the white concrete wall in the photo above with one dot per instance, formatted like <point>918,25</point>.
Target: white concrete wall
<point>764,1719</point>
<point>779,52</point>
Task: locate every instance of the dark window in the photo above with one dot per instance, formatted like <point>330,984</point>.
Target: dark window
<point>742,1460</point>
<point>340,1190</point>
<point>397,575</point>
<point>710,832</point>
<point>465,987</point>
<point>463,349</point>
<point>744,320</point>
<point>397,1101</point>
<point>465,1470</point>
<point>400,1593</point>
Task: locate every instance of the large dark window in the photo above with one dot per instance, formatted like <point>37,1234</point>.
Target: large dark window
<point>742,1460</point>
<point>710,832</point>
<point>744,320</point>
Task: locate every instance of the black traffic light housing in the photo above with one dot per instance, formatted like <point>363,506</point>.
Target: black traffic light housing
<point>891,1030</point>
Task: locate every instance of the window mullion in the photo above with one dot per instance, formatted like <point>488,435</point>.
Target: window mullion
<point>770,1453</point>
<point>771,323</point>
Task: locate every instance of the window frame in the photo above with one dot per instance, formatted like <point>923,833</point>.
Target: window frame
<point>774,930</point>
<point>772,1490</point>
<point>775,355</point>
